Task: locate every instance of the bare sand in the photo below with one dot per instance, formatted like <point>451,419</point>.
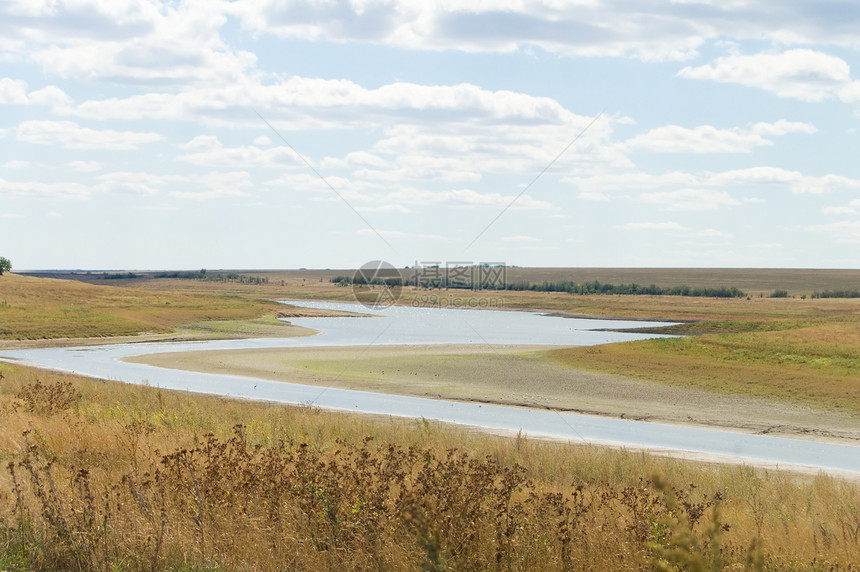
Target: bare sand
<point>516,376</point>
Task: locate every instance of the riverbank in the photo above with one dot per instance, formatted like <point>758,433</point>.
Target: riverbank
<point>515,376</point>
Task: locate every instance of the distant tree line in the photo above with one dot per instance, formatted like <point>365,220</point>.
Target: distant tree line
<point>837,294</point>
<point>597,287</point>
<point>349,281</point>
<point>210,277</point>
<point>119,276</point>
<point>593,287</point>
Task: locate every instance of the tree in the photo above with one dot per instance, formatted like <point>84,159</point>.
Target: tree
<point>5,265</point>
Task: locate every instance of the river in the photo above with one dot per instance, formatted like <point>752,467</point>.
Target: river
<point>418,325</point>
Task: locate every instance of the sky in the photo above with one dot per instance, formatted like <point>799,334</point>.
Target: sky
<point>269,134</point>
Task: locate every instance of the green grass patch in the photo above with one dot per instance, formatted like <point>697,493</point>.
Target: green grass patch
<point>817,366</point>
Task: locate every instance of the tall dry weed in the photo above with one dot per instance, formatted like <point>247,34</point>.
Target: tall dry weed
<point>129,478</point>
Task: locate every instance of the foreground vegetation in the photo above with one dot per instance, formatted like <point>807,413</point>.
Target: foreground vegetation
<point>103,476</point>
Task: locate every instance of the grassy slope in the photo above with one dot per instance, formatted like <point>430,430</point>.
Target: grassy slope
<point>40,308</point>
<point>817,366</point>
<point>129,480</point>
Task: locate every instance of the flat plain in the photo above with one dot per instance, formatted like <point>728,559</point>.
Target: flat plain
<point>106,476</point>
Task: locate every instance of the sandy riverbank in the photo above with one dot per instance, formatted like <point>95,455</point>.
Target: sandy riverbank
<point>517,376</point>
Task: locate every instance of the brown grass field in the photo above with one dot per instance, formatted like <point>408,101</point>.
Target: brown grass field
<point>103,476</point>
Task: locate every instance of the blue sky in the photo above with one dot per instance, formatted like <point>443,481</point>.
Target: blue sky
<point>711,133</point>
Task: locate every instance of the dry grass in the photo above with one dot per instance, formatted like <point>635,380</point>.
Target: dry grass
<point>105,476</point>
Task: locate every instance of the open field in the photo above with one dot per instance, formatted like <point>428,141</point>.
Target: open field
<point>529,377</point>
<point>106,476</point>
<point>752,281</point>
<point>46,309</point>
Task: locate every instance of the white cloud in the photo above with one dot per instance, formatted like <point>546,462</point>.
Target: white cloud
<point>385,209</point>
<point>839,210</point>
<point>702,139</point>
<point>464,198</point>
<point>842,231</point>
<point>796,181</point>
<point>625,182</point>
<point>520,238</point>
<point>208,150</point>
<point>575,28</point>
<point>483,131</point>
<point>647,30</point>
<point>39,189</point>
<point>691,199</point>
<point>713,233</point>
<point>710,139</point>
<point>354,159</point>
<point>678,191</point>
<point>129,183</point>
<point>400,234</point>
<point>350,189</point>
<point>652,226</point>
<point>72,136</point>
<point>50,96</point>
<point>262,140</point>
<point>11,215</point>
<point>14,92</point>
<point>593,196</point>
<point>85,166</point>
<point>852,208</point>
<point>801,74</point>
<point>320,103</point>
<point>126,41</point>
<point>783,127</point>
<point>211,185</point>
<point>17,164</point>
<point>768,245</point>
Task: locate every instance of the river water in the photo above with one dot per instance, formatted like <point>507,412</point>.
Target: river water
<point>408,325</point>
